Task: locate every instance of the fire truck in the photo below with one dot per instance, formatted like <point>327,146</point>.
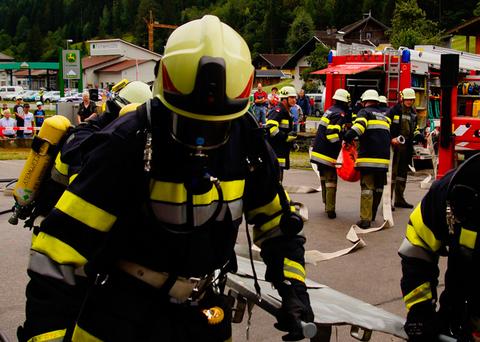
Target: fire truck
<point>451,109</point>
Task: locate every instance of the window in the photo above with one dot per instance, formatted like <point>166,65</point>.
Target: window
<point>368,35</point>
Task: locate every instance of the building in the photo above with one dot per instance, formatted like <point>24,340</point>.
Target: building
<point>368,31</point>
<point>112,60</point>
<point>268,68</point>
<point>4,75</point>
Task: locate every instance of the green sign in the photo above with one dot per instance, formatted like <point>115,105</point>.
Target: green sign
<point>71,64</point>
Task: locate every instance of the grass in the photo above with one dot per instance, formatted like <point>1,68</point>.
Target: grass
<point>15,153</point>
<point>458,43</point>
<point>268,88</point>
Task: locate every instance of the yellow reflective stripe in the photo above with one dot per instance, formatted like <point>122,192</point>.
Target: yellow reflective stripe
<point>267,226</point>
<point>281,161</point>
<point>51,336</point>
<point>468,238</point>
<point>60,166</point>
<point>324,119</point>
<point>57,250</point>
<point>332,136</point>
<point>414,239</point>
<point>378,122</point>
<point>373,160</point>
<point>85,212</point>
<point>421,231</point>
<point>388,119</point>
<point>72,178</point>
<point>168,192</point>
<point>360,127</point>
<point>334,127</point>
<point>284,122</point>
<point>324,157</point>
<point>232,190</point>
<point>396,117</point>
<point>357,120</point>
<point>268,209</point>
<point>272,122</point>
<point>420,294</point>
<point>293,270</point>
<point>80,335</point>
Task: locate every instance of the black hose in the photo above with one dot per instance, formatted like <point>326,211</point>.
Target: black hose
<point>6,211</point>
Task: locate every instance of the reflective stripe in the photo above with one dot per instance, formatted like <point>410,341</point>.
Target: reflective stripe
<point>372,165</point>
<point>80,335</point>
<point>177,213</point>
<point>72,178</point>
<point>58,177</point>
<point>323,123</point>
<point>176,193</point>
<point>51,336</point>
<point>268,209</point>
<point>358,128</point>
<point>389,120</point>
<point>406,117</point>
<point>364,120</point>
<point>420,294</point>
<point>387,128</point>
<point>468,238</point>
<point>379,190</point>
<point>282,161</point>
<point>269,225</point>
<point>333,137</point>
<point>323,159</point>
<point>332,127</point>
<point>42,264</point>
<point>373,161</point>
<point>396,118</point>
<point>85,212</point>
<point>325,120</point>
<point>367,192</point>
<point>419,234</point>
<point>378,122</point>
<point>409,250</point>
<point>401,179</point>
<point>331,185</point>
<point>274,127</point>
<point>293,270</point>
<point>60,166</point>
<point>57,250</point>
<point>284,124</point>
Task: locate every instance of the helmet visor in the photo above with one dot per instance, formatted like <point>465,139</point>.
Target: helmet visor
<point>199,133</point>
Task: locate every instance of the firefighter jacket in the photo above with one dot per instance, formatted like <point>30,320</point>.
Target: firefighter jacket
<point>428,237</point>
<point>373,128</point>
<point>328,141</point>
<point>279,125</point>
<point>164,219</point>
<point>404,122</point>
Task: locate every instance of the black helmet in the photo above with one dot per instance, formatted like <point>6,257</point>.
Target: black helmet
<point>463,193</point>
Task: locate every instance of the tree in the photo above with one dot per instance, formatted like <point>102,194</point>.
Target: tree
<point>318,59</point>
<point>410,26</point>
<point>105,22</point>
<point>301,30</point>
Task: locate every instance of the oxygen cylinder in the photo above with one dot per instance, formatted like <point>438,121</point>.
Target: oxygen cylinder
<point>38,162</point>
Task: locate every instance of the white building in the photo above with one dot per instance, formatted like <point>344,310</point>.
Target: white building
<point>112,60</point>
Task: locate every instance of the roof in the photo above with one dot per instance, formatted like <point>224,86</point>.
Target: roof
<point>35,72</point>
<point>347,68</point>
<point>125,42</point>
<point>92,61</point>
<point>349,28</point>
<point>123,65</point>
<point>29,65</point>
<point>468,28</point>
<point>329,37</point>
<point>276,60</point>
<point>269,73</point>
<point>306,49</point>
<point>4,57</point>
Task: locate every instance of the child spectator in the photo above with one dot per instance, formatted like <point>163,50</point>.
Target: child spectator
<point>39,115</point>
<point>28,121</point>
<point>7,124</point>
<point>273,98</point>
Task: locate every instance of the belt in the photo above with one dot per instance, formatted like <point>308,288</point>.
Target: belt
<point>182,289</point>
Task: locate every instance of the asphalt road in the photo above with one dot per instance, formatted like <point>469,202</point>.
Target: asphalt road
<point>371,274</point>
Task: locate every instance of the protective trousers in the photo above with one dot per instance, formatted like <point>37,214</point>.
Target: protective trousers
<point>371,184</point>
<point>400,163</point>
<point>328,179</point>
<point>124,308</point>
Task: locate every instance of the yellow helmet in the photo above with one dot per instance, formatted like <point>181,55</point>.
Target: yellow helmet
<point>287,91</point>
<point>341,95</point>
<point>206,72</point>
<point>407,94</point>
<point>370,95</point>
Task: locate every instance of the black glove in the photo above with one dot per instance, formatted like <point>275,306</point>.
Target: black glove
<point>349,136</point>
<point>295,308</point>
<point>418,139</point>
<point>420,325</point>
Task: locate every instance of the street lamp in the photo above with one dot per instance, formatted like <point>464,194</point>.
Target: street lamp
<point>68,81</point>
<point>69,41</point>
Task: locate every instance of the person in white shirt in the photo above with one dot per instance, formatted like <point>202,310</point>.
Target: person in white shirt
<point>28,122</point>
<point>7,124</point>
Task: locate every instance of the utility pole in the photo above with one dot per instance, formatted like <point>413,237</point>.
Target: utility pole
<point>151,24</point>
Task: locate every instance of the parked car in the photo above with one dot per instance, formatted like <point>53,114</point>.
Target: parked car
<point>9,91</point>
<point>29,95</point>
<point>72,98</point>
<point>318,103</point>
<point>49,96</point>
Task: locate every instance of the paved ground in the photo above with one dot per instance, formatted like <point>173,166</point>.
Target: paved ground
<point>371,274</point>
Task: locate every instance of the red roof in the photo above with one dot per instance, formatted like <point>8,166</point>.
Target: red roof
<point>122,65</point>
<point>34,72</point>
<point>347,69</point>
<point>91,61</point>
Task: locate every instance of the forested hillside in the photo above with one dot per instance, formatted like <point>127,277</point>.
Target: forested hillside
<point>34,29</point>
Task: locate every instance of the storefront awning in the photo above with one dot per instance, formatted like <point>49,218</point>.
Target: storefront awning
<point>347,69</point>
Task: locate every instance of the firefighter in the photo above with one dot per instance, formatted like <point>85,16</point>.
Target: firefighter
<point>154,212</point>
<point>382,103</point>
<point>327,145</point>
<point>280,127</point>
<point>55,291</point>
<point>404,123</point>
<point>372,127</point>
<point>445,223</point>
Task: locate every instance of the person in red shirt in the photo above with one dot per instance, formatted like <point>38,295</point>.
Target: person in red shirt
<point>260,99</point>
<point>273,98</point>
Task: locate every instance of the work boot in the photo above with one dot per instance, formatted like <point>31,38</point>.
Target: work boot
<point>403,204</point>
<point>364,224</point>
<point>331,214</point>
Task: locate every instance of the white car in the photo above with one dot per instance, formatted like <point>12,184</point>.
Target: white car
<point>72,98</point>
<point>49,96</point>
<point>8,92</point>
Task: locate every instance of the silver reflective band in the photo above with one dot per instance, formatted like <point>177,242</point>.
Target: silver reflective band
<point>409,250</point>
<point>43,265</point>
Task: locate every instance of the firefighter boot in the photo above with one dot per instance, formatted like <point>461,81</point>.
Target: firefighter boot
<point>330,196</point>
<point>366,205</point>
<point>400,201</point>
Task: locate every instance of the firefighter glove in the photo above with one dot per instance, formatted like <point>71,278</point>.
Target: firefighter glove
<point>295,308</point>
<point>349,136</point>
<point>418,139</point>
<point>420,324</point>
<point>291,136</point>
